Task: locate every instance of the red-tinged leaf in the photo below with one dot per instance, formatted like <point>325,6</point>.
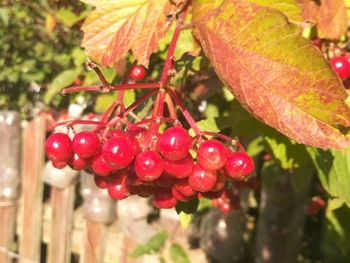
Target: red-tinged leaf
<point>115,27</point>
<point>276,74</point>
<point>329,15</point>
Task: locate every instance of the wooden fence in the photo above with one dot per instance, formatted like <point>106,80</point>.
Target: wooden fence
<point>44,223</point>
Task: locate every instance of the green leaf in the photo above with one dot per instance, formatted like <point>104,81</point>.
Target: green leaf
<point>61,81</point>
<point>129,97</point>
<point>103,101</point>
<point>275,73</point>
<point>67,17</point>
<point>184,219</point>
<point>178,254</point>
<point>333,169</point>
<point>152,246</point>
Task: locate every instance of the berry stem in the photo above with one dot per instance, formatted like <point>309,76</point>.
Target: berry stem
<point>115,87</point>
<point>171,107</point>
<point>168,65</point>
<point>184,112</point>
<point>92,65</point>
<point>74,122</point>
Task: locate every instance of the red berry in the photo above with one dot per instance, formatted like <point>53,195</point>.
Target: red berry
<point>149,165</point>
<point>77,82</point>
<point>140,134</point>
<point>179,169</point>
<point>166,180</point>
<point>184,188</point>
<point>118,190</point>
<point>101,181</point>
<point>239,165</point>
<point>59,165</point>
<point>118,152</point>
<point>174,144</point>
<point>78,163</point>
<point>178,196</point>
<point>226,207</point>
<point>86,144</point>
<point>220,182</point>
<point>132,140</point>
<point>202,180</point>
<point>117,134</point>
<point>163,199</point>
<point>341,66</point>
<point>100,166</point>
<point>212,155</point>
<point>58,147</point>
<point>213,194</point>
<point>137,73</point>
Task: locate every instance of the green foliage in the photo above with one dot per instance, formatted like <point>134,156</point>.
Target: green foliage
<point>178,254</point>
<point>154,245</point>
<point>333,168</point>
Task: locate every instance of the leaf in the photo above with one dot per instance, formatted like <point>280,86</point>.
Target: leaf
<point>330,17</point>
<point>64,79</point>
<point>178,254</point>
<point>152,246</point>
<point>67,17</point>
<point>333,169</point>
<point>276,74</point>
<point>115,27</point>
<point>289,7</point>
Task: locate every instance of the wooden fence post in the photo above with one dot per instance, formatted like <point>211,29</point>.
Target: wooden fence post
<point>9,178</point>
<point>62,205</point>
<point>32,189</point>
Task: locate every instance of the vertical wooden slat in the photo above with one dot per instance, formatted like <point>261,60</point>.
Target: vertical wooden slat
<point>62,205</point>
<point>32,189</point>
<point>95,236</point>
<point>9,163</point>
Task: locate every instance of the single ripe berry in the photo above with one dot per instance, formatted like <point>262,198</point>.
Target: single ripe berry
<point>149,165</point>
<point>132,140</point>
<point>202,180</point>
<point>100,166</point>
<point>137,73</point>
<point>163,199</point>
<point>78,163</point>
<point>239,165</point>
<point>58,147</point>
<point>174,144</point>
<point>179,169</point>
<point>341,66</point>
<point>139,133</point>
<point>118,189</point>
<point>178,195</point>
<point>86,144</point>
<point>212,155</point>
<point>59,165</point>
<point>184,188</point>
<point>101,182</point>
<point>118,152</point>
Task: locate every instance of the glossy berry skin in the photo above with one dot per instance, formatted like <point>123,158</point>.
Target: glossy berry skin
<point>179,196</point>
<point>212,155</point>
<point>118,190</point>
<point>341,66</point>
<point>179,169</point>
<point>132,140</point>
<point>202,180</point>
<point>86,144</point>
<point>78,163</point>
<point>58,147</point>
<point>101,182</point>
<point>174,144</point>
<point>140,134</point>
<point>100,166</point>
<point>137,73</point>
<point>220,182</point>
<point>118,152</point>
<point>59,165</point>
<point>163,199</point>
<point>149,165</point>
<point>184,188</point>
<point>239,165</point>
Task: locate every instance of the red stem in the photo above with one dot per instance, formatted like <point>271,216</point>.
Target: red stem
<point>74,122</point>
<point>115,87</point>
<point>184,112</point>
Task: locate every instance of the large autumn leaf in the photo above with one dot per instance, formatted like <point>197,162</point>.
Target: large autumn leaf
<point>329,15</point>
<point>275,73</point>
<point>115,27</point>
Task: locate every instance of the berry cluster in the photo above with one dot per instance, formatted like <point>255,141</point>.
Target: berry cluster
<point>129,156</point>
<point>124,165</point>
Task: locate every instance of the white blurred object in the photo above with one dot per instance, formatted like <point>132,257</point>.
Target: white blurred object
<point>132,216</point>
<point>97,206</point>
<point>75,110</point>
<point>60,178</point>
